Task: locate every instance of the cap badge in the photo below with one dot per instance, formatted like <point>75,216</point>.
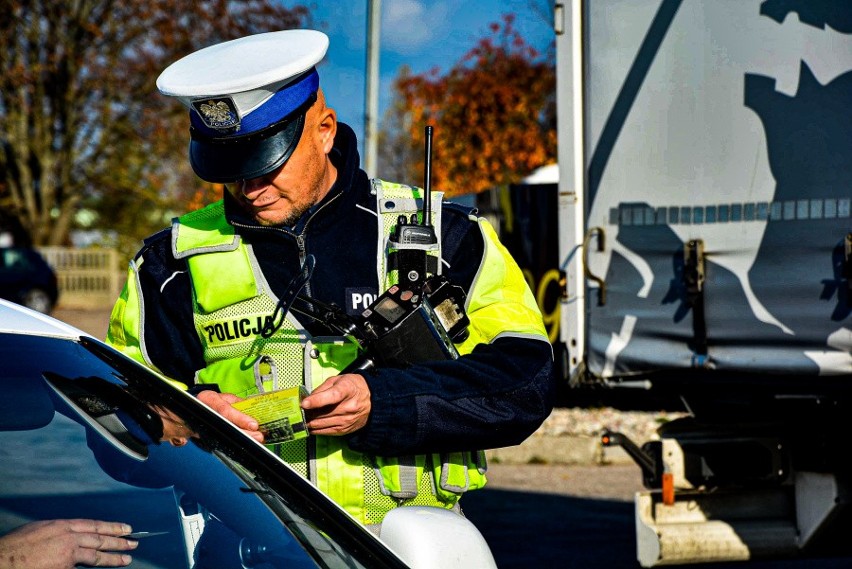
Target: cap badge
<point>220,113</point>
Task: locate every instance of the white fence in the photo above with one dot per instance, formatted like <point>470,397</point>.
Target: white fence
<point>88,278</point>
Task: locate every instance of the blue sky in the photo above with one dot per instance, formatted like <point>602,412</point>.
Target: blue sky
<point>420,33</point>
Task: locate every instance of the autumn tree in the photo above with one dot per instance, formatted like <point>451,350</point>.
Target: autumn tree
<point>81,121</point>
<point>493,113</point>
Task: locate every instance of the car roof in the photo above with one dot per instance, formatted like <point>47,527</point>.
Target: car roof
<point>21,320</point>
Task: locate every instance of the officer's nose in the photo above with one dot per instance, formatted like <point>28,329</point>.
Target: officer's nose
<point>251,189</point>
<point>254,184</point>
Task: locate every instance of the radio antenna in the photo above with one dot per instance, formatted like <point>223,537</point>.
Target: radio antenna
<point>427,179</point>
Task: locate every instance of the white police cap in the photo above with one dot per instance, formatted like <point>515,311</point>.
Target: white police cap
<point>247,100</point>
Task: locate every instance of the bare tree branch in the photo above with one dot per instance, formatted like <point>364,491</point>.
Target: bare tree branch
<point>81,121</point>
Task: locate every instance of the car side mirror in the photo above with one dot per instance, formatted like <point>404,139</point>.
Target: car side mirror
<point>425,536</point>
<point>108,409</point>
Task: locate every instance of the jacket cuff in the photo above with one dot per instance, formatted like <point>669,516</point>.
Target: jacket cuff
<point>199,387</point>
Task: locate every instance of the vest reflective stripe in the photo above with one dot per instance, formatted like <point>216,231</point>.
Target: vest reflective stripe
<point>335,468</point>
<point>340,473</point>
<point>459,472</point>
<point>265,374</point>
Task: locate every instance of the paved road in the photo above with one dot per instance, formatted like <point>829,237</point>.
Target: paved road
<point>557,516</point>
<point>577,516</point>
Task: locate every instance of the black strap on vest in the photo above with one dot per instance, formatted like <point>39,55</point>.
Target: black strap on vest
<point>298,282</point>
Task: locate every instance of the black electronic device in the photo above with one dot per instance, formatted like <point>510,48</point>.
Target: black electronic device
<point>412,239</point>
<point>402,327</point>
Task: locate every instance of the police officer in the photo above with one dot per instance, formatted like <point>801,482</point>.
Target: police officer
<point>199,293</point>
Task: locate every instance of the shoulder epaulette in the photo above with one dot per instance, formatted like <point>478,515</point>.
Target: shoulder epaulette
<point>161,234</point>
<point>465,210</point>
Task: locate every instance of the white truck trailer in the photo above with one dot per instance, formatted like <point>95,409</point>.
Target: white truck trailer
<point>705,234</point>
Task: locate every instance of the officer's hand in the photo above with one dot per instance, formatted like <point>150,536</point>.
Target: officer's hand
<point>341,405</point>
<point>221,403</point>
<point>64,544</point>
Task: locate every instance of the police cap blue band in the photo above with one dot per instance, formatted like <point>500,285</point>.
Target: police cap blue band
<point>278,107</point>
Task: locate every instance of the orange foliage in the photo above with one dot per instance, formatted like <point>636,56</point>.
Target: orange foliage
<point>206,193</point>
<point>492,113</point>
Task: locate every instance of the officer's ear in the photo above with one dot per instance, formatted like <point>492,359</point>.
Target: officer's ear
<point>328,128</point>
<point>326,123</point>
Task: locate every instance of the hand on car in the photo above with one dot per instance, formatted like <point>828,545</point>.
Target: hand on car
<point>341,405</point>
<point>221,403</point>
<point>64,544</point>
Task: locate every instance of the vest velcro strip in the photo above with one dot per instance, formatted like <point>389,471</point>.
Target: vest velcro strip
<point>454,472</point>
<point>399,477</point>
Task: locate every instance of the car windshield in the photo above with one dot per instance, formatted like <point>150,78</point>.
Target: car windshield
<point>84,433</point>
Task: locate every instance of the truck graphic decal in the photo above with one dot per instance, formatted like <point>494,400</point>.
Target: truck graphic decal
<point>744,146</point>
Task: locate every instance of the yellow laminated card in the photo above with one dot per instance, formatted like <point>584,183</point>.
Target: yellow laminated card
<point>279,414</point>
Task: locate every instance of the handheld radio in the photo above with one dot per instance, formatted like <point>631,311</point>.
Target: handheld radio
<point>411,240</point>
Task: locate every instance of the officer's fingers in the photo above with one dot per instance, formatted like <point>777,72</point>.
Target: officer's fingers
<point>216,400</point>
<point>350,388</point>
<point>328,427</point>
<point>100,542</point>
<point>331,392</point>
<point>213,400</point>
<point>341,419</point>
<point>97,558</point>
<point>221,403</point>
<point>322,397</point>
<point>230,397</point>
<point>336,425</point>
<point>99,527</point>
<point>240,419</point>
<point>101,536</point>
<point>68,543</point>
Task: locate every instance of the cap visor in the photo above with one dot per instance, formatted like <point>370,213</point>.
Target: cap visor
<point>225,162</point>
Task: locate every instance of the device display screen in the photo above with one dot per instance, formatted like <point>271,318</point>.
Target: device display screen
<point>389,310</point>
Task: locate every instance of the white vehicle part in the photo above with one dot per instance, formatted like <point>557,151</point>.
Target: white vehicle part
<point>192,520</point>
<point>571,201</point>
<point>702,527</point>
<point>426,537</point>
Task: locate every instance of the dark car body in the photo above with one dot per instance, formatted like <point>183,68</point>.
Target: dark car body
<point>27,279</point>
<point>82,435</point>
